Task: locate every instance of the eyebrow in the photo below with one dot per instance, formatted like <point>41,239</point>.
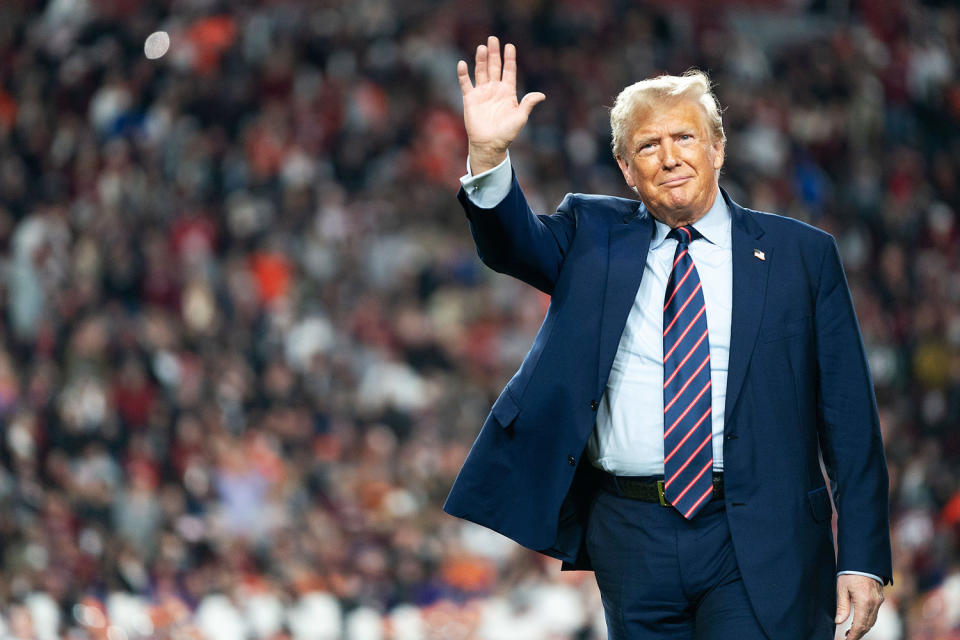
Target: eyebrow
<point>643,141</point>
<point>673,134</point>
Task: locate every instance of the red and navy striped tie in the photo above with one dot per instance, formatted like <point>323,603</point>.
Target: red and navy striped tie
<point>687,427</point>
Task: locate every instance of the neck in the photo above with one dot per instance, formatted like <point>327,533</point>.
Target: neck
<point>677,220</point>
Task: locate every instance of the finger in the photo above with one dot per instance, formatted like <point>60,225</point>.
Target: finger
<point>864,617</point>
<point>510,65</point>
<point>859,626</point>
<point>870,618</point>
<point>463,75</point>
<point>493,58</point>
<point>843,605</point>
<point>481,70</point>
<point>531,100</point>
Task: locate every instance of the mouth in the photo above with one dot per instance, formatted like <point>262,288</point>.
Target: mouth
<point>673,182</point>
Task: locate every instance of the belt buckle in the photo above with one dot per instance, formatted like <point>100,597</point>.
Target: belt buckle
<point>663,500</point>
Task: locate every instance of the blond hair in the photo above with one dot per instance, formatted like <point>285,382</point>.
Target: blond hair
<point>644,95</point>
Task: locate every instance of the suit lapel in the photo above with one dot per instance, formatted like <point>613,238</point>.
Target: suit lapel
<point>749,293</point>
<point>629,242</point>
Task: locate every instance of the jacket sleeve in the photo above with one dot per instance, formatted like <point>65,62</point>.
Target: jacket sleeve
<point>511,239</point>
<point>849,428</point>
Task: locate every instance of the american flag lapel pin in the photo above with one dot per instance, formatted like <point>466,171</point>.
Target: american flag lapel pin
<point>759,255</point>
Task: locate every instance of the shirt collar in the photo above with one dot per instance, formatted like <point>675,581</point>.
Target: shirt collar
<point>714,226</point>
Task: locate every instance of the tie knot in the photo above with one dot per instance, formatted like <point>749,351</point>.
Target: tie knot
<point>684,235</point>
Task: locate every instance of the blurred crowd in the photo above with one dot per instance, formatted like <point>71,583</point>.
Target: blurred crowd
<point>246,343</point>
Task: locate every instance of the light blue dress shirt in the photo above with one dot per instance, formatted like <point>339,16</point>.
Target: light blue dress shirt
<point>628,437</point>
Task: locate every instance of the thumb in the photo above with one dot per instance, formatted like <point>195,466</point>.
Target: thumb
<point>531,100</point>
<point>843,605</point>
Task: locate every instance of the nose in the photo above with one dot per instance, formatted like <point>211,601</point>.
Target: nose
<point>667,155</point>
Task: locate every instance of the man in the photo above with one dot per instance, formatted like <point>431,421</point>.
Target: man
<point>696,362</point>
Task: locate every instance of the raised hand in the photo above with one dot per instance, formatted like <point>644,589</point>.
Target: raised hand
<point>491,113</point>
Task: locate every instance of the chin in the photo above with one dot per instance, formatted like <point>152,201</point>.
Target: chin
<point>679,204</point>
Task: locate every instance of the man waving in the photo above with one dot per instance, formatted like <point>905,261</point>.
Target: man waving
<point>697,361</point>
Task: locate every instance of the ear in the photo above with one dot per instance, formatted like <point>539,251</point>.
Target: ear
<point>625,170</point>
<point>718,157</point>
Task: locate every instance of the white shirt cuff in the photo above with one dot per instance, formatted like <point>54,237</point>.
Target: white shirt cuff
<point>861,573</point>
<point>488,189</point>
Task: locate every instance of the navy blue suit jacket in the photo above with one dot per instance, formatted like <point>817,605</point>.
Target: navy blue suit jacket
<point>798,388</point>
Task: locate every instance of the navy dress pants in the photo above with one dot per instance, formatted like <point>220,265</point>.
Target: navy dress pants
<point>661,576</point>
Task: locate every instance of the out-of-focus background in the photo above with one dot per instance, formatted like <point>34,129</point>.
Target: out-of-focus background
<point>246,342</point>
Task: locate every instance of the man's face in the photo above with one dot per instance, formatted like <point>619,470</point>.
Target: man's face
<point>672,160</point>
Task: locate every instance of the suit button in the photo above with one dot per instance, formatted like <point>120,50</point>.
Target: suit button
<point>594,405</point>
<point>730,436</point>
<point>571,461</point>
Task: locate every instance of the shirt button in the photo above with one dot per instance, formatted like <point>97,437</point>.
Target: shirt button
<point>594,405</point>
<point>571,461</point>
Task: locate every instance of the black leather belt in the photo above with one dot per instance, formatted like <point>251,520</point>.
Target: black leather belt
<point>648,488</point>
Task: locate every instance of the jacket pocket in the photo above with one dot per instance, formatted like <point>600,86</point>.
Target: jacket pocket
<point>784,330</point>
<point>505,409</point>
<point>820,504</point>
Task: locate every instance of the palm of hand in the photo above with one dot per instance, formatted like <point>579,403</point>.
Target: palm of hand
<point>492,115</point>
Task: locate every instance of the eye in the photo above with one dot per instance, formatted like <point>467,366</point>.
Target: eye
<point>645,147</point>
<point>685,137</point>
